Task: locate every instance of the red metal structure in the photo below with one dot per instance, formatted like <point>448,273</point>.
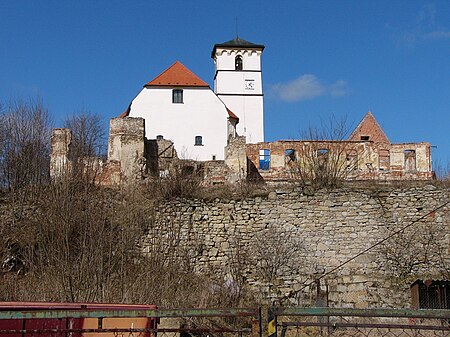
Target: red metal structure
<point>74,326</point>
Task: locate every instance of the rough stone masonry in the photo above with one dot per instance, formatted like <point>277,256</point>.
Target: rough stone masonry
<point>280,244</point>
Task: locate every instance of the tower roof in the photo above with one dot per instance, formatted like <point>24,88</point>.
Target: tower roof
<point>177,75</point>
<point>369,129</point>
<point>237,43</point>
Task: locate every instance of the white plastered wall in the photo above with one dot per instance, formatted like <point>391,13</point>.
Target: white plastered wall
<point>232,88</point>
<point>200,114</point>
<point>225,58</point>
<point>248,109</point>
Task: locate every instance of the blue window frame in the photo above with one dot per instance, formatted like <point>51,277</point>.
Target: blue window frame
<point>264,159</point>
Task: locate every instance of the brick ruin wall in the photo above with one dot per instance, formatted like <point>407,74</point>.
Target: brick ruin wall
<point>132,158</point>
<point>370,161</point>
<point>280,243</point>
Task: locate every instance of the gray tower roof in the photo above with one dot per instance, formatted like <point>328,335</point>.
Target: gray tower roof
<point>237,43</point>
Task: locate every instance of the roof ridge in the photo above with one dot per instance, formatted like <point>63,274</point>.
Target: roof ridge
<point>177,75</point>
<point>165,71</point>
<point>237,42</point>
<point>362,122</point>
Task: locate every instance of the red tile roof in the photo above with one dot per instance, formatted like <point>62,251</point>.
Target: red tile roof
<point>177,75</point>
<point>231,114</point>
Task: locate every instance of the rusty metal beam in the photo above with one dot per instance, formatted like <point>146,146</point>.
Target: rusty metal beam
<point>153,313</point>
<point>367,325</point>
<point>407,313</point>
<point>138,330</point>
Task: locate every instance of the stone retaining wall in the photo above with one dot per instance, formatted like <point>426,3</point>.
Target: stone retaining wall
<point>279,244</point>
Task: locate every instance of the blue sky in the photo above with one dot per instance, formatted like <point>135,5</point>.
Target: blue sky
<point>321,58</point>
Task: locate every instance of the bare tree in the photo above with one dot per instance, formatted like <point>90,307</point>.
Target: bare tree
<point>88,135</point>
<point>182,180</point>
<point>78,250</point>
<point>80,242</point>
<point>327,158</point>
<point>442,173</point>
<point>25,143</point>
<point>88,144</point>
<point>276,252</point>
<point>417,250</point>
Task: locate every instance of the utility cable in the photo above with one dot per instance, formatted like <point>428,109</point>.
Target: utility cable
<point>367,249</point>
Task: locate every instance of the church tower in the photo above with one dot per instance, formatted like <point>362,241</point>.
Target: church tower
<point>238,83</point>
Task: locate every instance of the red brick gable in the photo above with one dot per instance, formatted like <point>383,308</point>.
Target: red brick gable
<point>177,75</point>
<point>370,128</point>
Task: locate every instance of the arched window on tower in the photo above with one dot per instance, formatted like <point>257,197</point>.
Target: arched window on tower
<point>238,63</point>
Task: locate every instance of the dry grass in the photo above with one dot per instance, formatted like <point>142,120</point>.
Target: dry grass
<point>72,241</point>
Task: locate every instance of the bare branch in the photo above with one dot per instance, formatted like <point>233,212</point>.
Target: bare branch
<point>24,143</point>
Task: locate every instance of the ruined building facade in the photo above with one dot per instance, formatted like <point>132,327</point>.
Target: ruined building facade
<point>366,155</point>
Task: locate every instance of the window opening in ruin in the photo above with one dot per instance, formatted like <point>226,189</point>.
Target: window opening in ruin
<point>365,137</point>
<point>322,155</point>
<point>384,160</point>
<point>430,294</point>
<point>264,159</point>
<point>177,96</point>
<point>290,156</point>
<point>322,158</point>
<point>159,137</point>
<point>410,160</point>
<point>198,141</point>
<point>238,63</point>
<point>290,153</point>
<point>213,157</point>
<point>352,160</point>
<point>187,170</point>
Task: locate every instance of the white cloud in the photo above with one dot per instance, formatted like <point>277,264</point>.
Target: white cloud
<point>338,88</point>
<point>425,28</point>
<point>438,34</point>
<point>306,87</point>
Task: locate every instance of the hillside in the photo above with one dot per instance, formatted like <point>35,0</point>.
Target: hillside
<point>71,241</point>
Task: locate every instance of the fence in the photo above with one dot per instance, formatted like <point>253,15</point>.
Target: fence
<point>131,323</point>
<point>239,322</point>
<point>304,322</point>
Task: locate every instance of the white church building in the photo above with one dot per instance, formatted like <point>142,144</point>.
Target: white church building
<point>179,106</point>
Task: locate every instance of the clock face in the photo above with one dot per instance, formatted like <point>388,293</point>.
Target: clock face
<point>249,84</point>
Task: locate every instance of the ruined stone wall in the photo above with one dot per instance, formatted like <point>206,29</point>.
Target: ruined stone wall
<point>132,157</point>
<point>161,156</point>
<point>236,158</point>
<point>59,153</point>
<point>63,164</point>
<point>215,172</point>
<point>280,243</point>
<point>368,160</point>
<point>126,154</point>
<point>126,145</point>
